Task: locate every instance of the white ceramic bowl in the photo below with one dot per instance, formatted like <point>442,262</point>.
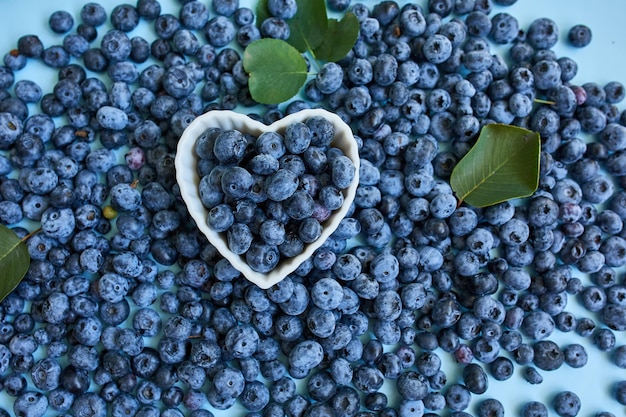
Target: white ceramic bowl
<point>188,179</point>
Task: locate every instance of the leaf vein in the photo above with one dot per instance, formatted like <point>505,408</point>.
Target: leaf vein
<point>486,177</point>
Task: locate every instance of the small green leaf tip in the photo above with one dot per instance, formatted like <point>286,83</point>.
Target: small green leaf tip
<point>340,38</point>
<point>309,26</point>
<point>14,261</point>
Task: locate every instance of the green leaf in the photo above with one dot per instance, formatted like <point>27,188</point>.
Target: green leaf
<point>503,164</point>
<point>276,69</point>
<point>340,38</point>
<point>14,261</point>
<point>262,12</point>
<point>308,27</point>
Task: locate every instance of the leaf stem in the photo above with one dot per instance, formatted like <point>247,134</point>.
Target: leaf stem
<point>28,236</point>
<point>542,101</point>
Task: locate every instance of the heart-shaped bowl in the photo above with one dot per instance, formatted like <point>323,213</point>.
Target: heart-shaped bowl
<point>188,180</point>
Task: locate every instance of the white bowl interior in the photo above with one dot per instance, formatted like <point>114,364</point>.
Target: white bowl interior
<point>188,180</point>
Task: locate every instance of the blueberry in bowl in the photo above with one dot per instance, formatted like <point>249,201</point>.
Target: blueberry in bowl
<point>267,196</point>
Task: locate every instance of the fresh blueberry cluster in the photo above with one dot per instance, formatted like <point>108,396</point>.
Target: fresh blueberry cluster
<point>127,310</point>
<point>272,194</point>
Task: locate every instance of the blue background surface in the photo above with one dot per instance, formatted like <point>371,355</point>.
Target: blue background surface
<point>602,61</point>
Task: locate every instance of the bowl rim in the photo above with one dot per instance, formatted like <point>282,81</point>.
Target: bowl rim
<point>188,179</point>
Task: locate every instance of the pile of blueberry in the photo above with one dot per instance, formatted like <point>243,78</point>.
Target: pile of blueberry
<point>126,310</point>
<point>271,194</point>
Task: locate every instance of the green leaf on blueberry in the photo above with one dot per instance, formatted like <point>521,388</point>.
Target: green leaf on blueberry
<point>276,70</point>
<point>340,38</point>
<point>502,165</point>
<point>308,27</point>
<point>14,260</point>
<point>312,32</point>
<point>262,12</point>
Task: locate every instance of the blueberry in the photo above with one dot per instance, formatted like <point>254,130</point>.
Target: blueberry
<point>367,378</point>
<point>58,223</point>
<point>385,69</point>
<point>579,36</point>
<point>176,81</point>
<point>566,403</point>
<point>262,257</point>
<point>532,376</point>
<point>491,407</point>
<point>32,404</point>
<point>75,45</point>
<point>547,355</point>
<point>343,172</point>
<point>247,34</point>
<point>408,407</point>
<point>255,396</point>
<point>321,386</point>
<point>542,33</point>
<point>61,21</point>
<point>30,46</point>
<point>504,28</point>
<point>614,91</point>
<point>229,147</point>
<point>11,212</point>
<point>230,382</point>
<point>620,392</point>
<point>87,32</point>
<point>534,409</point>
<point>236,182</point>
<point>375,401</point>
<point>329,78</point>
<point>284,9</point>
<point>360,72</point>
<point>112,118</point>
<point>27,91</point>
<point>124,17</point>
<point>457,397</point>
<point>275,28</point>
<point>90,402</point>
<point>194,15</point>
<point>219,31</point>
<point>93,14</point>
<point>413,22</point>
